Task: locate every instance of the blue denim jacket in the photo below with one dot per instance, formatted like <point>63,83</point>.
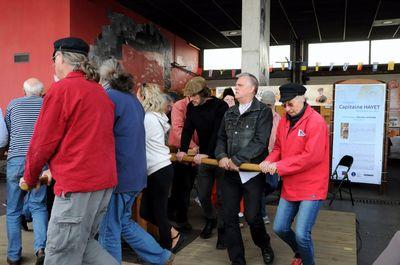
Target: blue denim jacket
<point>244,138</point>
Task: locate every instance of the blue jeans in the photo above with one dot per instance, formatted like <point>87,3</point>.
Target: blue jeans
<point>300,241</point>
<point>25,209</point>
<point>36,204</point>
<point>118,222</point>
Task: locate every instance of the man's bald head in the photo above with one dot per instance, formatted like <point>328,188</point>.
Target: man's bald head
<point>33,87</point>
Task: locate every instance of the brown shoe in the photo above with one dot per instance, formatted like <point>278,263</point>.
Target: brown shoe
<point>170,260</point>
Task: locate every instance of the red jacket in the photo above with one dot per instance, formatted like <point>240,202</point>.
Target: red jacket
<point>302,156</point>
<point>74,134</point>
<point>178,115</point>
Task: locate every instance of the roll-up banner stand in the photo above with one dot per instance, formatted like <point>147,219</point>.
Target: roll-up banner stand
<point>359,128</point>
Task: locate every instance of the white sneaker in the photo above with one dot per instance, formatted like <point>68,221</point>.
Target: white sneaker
<point>266,220</point>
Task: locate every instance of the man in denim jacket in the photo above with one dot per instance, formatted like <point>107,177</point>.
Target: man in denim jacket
<point>243,138</point>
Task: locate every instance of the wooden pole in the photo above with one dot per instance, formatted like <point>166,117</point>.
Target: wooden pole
<point>214,162</point>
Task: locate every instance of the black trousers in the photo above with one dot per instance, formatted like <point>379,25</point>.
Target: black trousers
<point>206,177</point>
<point>154,206</point>
<point>179,201</point>
<point>232,192</point>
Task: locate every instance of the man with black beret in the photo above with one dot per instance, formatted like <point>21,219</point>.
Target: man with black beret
<point>74,135</point>
<point>301,158</point>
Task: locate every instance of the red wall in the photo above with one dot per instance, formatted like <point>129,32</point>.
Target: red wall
<point>28,26</point>
<point>186,56</point>
<point>145,66</point>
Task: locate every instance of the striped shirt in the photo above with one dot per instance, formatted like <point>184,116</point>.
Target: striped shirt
<point>21,117</point>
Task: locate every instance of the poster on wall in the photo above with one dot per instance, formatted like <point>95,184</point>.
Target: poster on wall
<point>316,95</point>
<point>359,129</point>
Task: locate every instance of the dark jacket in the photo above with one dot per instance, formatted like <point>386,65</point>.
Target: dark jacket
<point>130,146</point>
<point>205,119</point>
<point>244,138</point>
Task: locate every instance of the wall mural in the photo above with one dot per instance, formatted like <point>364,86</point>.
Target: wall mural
<point>144,51</point>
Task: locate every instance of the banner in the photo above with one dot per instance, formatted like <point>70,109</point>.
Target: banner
<point>359,129</point>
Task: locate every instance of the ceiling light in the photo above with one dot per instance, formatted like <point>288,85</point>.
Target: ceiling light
<point>386,22</point>
<point>232,33</point>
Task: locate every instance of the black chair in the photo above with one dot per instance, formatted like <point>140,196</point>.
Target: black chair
<point>346,161</point>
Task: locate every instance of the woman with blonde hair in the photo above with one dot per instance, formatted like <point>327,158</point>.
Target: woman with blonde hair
<point>159,168</point>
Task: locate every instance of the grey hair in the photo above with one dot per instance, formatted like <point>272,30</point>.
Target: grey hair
<point>81,62</point>
<point>33,89</point>
<point>110,69</point>
<point>252,78</point>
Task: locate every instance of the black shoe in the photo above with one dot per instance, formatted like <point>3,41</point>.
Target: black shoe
<point>40,257</point>
<point>221,240</point>
<point>268,255</point>
<point>184,227</point>
<point>24,223</point>
<point>10,262</point>
<point>179,244</point>
<point>207,230</point>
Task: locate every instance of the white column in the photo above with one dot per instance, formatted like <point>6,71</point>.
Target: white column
<point>255,38</point>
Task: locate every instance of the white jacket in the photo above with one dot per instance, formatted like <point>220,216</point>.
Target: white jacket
<point>157,152</point>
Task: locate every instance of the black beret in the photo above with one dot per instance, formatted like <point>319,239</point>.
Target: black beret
<point>71,44</point>
<point>290,91</point>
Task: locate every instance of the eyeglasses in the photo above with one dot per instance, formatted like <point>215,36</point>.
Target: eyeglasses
<point>289,104</point>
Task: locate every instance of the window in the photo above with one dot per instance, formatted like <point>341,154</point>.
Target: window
<point>220,59</point>
<point>383,51</point>
<point>338,53</point>
<point>278,54</point>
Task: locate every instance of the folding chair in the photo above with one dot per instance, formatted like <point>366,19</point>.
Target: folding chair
<point>346,161</point>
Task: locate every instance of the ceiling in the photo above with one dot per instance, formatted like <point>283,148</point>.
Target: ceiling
<point>200,22</point>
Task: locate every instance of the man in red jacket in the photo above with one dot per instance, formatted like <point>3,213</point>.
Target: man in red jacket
<point>301,157</point>
<point>74,134</point>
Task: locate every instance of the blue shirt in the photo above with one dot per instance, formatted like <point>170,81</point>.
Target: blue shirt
<point>21,117</point>
<point>130,146</point>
